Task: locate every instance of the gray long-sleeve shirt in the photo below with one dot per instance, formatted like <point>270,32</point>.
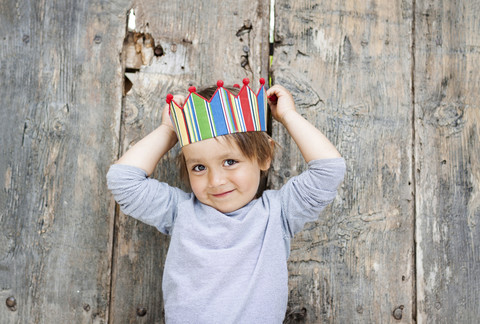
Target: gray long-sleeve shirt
<point>227,268</point>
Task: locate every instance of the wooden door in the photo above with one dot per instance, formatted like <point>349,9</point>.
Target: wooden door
<point>60,101</point>
<point>348,64</point>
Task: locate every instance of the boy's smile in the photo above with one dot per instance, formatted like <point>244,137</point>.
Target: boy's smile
<point>220,175</point>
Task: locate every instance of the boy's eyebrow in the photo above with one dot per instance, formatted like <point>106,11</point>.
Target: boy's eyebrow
<point>224,156</point>
<point>190,161</point>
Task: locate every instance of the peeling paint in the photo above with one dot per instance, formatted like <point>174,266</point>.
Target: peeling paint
<point>8,178</point>
<point>327,47</point>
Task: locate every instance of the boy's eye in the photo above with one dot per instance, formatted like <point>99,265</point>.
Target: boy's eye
<point>229,162</point>
<point>198,168</point>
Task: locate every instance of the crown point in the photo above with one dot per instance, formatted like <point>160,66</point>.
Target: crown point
<point>169,98</point>
<point>192,89</point>
<point>219,83</point>
<point>262,81</point>
<point>246,81</point>
<point>236,85</point>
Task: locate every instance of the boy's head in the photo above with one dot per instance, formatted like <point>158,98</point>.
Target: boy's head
<point>225,172</point>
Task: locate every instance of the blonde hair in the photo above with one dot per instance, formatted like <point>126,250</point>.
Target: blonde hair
<point>257,146</point>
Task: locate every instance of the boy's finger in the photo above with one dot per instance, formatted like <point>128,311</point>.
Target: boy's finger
<point>273,98</point>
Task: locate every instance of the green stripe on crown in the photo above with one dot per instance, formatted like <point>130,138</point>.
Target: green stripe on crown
<point>203,122</point>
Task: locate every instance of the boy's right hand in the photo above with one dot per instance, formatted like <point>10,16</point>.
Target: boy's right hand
<point>166,120</point>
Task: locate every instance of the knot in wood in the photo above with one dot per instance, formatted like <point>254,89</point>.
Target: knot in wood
<point>398,313</point>
<point>11,303</point>
<point>158,51</point>
<point>298,314</point>
<point>141,311</point>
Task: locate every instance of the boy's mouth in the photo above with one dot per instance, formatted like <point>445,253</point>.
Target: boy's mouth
<point>223,194</point>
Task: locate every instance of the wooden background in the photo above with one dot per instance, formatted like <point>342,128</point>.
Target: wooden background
<point>394,84</point>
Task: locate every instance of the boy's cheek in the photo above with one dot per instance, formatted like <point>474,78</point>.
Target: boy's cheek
<point>196,186</point>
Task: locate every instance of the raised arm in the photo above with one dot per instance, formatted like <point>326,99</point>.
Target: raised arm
<point>312,143</point>
<point>146,153</point>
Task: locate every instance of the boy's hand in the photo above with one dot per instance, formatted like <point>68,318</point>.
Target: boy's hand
<point>283,103</point>
<point>166,120</point>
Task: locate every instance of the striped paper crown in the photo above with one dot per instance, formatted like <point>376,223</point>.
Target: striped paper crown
<point>223,114</point>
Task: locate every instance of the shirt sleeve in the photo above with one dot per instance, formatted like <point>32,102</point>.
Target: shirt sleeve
<point>148,200</point>
<point>306,195</point>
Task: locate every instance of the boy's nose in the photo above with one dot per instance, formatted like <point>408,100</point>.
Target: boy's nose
<point>216,178</point>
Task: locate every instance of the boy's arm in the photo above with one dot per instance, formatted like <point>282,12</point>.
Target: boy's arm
<point>146,153</point>
<point>312,143</point>
<point>306,195</point>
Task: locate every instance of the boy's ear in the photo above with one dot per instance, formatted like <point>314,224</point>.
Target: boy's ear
<point>265,165</point>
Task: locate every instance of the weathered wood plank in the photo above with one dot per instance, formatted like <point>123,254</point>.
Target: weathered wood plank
<point>348,65</point>
<point>60,99</point>
<point>447,118</point>
<point>199,43</point>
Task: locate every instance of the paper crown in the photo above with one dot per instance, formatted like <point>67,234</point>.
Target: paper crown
<point>199,119</point>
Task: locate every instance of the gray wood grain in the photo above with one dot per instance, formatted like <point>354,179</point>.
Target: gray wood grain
<point>60,100</point>
<point>200,44</point>
<point>447,115</point>
<point>348,65</point>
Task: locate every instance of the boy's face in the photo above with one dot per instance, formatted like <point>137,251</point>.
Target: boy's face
<point>220,175</point>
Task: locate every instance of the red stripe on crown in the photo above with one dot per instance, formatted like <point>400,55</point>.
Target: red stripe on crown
<point>246,110</point>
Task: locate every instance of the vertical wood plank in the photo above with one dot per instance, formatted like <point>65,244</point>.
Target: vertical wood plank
<point>199,43</point>
<point>348,65</point>
<point>447,111</point>
<point>60,99</point>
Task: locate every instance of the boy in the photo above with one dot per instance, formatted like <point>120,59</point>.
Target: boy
<point>227,259</point>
